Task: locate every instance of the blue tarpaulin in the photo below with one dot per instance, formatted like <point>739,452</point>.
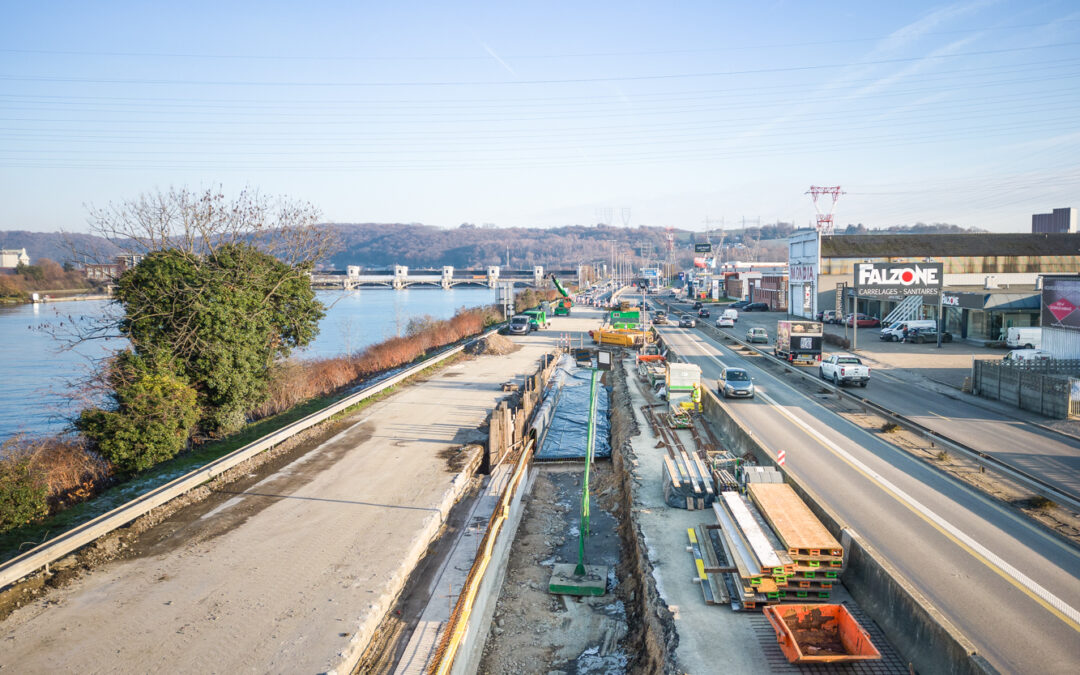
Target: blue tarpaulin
<point>568,432</point>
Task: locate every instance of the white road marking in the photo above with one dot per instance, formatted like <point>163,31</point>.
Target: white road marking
<point>989,556</point>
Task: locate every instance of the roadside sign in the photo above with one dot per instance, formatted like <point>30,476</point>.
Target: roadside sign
<point>702,248</point>
<point>883,280</point>
<point>841,291</point>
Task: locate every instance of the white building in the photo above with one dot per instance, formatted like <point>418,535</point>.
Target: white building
<point>10,258</point>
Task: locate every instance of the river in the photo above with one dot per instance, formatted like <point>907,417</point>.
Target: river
<point>38,376</point>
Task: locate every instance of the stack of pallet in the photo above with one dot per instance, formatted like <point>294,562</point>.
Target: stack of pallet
<point>688,482</point>
<point>818,557</point>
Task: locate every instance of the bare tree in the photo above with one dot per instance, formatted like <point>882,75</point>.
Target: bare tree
<point>198,223</point>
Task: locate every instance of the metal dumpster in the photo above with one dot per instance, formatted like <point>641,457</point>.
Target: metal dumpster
<point>820,634</point>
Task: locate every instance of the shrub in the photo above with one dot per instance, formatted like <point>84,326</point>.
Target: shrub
<point>24,497</point>
<point>154,414</point>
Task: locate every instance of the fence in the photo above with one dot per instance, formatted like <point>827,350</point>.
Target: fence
<point>506,433</point>
<point>1050,388</point>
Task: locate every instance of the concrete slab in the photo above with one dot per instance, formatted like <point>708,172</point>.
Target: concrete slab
<point>566,581</point>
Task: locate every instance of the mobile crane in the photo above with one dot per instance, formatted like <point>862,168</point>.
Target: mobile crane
<point>563,304</point>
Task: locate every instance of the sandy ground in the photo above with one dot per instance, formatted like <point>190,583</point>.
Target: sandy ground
<point>535,631</point>
<point>288,573</point>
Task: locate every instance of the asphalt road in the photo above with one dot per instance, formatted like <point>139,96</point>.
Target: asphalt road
<point>1011,588</point>
<point>1051,457</point>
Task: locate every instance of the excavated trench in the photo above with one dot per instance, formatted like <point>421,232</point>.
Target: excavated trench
<point>627,630</point>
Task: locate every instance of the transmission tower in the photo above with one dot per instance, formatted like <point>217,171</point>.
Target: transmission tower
<point>625,213</point>
<point>825,220</point>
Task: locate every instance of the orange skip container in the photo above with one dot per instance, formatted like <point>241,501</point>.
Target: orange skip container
<point>820,634</point>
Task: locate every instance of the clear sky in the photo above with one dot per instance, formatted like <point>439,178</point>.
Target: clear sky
<point>545,114</point>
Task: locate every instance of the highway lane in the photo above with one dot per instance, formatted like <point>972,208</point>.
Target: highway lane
<point>1051,457</point>
<point>1010,587</point>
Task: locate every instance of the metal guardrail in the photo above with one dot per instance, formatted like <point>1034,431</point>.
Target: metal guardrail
<point>1033,483</point>
<point>63,544</point>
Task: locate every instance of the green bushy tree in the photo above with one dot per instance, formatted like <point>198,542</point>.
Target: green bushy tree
<point>24,497</point>
<point>152,417</point>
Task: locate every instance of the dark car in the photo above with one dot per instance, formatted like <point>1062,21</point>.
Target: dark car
<point>739,304</point>
<point>703,313</point>
<point>924,336</point>
<point>686,321</point>
<point>756,307</point>
<point>698,305</point>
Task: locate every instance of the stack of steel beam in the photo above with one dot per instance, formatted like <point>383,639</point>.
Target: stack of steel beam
<point>761,566</point>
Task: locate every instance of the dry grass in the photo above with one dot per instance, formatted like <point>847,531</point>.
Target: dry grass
<point>297,381</point>
<point>68,470</point>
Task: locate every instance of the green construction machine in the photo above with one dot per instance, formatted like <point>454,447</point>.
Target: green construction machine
<point>563,304</point>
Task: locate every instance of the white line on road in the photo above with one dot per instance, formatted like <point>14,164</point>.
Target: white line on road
<point>1055,604</point>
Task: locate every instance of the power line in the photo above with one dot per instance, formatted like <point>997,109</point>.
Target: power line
<point>519,82</point>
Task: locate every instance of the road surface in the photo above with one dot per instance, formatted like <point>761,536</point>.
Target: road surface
<point>1010,587</point>
<point>292,571</point>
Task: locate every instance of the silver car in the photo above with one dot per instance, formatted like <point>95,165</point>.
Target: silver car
<point>735,382</point>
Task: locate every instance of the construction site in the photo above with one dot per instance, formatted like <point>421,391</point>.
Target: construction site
<point>630,535</point>
<point>597,509</point>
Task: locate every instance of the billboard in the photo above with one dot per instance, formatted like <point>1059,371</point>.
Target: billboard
<point>1061,302</point>
<point>702,248</point>
<point>894,280</point>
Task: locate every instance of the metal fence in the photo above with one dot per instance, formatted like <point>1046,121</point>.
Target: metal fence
<point>1050,388</point>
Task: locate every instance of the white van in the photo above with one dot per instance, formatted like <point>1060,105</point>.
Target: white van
<point>1026,337</point>
<point>895,332</point>
<point>732,314</point>
<point>1028,355</point>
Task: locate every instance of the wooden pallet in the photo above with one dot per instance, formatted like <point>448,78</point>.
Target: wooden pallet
<point>795,525</point>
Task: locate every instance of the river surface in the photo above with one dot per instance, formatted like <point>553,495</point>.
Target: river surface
<point>38,376</point>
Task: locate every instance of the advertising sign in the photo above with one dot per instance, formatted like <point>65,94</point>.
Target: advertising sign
<point>841,291</point>
<point>886,280</point>
<point>808,298</point>
<point>801,273</point>
<point>702,248</point>
<point>1060,302</point>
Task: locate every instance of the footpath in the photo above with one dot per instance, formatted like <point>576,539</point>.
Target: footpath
<point>293,571</point>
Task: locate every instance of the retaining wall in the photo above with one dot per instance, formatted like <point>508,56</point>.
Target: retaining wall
<point>914,626</point>
<point>1044,387</point>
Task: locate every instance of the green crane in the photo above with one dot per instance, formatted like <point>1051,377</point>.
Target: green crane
<point>562,307</point>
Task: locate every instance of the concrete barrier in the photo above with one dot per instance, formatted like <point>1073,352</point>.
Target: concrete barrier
<point>61,545</point>
<point>915,627</point>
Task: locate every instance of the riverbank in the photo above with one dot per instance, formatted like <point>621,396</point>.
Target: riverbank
<point>291,569</point>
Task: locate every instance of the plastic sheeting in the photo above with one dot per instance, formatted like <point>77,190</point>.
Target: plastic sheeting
<point>568,431</point>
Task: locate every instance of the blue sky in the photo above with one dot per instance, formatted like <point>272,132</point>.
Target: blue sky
<point>545,114</point>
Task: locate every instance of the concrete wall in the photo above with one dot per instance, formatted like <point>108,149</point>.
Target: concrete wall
<point>467,660</point>
<point>918,631</point>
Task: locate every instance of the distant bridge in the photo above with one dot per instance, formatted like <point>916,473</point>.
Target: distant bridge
<point>400,277</point>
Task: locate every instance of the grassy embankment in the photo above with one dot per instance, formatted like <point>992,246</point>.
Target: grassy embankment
<point>79,485</point>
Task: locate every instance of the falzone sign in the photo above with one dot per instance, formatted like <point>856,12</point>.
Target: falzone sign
<point>875,280</point>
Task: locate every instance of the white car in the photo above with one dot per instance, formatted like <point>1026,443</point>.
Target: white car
<point>725,322</point>
<point>1028,355</point>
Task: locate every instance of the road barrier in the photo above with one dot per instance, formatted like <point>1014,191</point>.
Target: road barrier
<point>63,544</point>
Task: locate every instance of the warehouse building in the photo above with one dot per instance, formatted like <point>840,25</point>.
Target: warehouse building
<point>991,281</point>
<point>1060,220</point>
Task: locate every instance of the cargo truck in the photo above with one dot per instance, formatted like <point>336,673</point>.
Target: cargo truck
<point>798,341</point>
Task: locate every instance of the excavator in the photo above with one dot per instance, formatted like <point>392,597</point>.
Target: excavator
<point>563,304</point>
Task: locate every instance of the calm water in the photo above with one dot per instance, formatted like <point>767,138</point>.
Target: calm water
<point>37,376</point>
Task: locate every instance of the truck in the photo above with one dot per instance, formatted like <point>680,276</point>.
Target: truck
<point>564,303</point>
<point>798,341</point>
<point>843,369</point>
<point>537,317</point>
<point>1023,337</point>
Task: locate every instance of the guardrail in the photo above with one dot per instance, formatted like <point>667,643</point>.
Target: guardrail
<point>61,545</point>
<point>1033,483</point>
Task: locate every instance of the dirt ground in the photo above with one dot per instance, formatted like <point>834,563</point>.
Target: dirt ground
<point>535,631</point>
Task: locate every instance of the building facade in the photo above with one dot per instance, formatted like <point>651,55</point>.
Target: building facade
<point>1059,220</point>
<point>991,281</point>
<point>12,258</point>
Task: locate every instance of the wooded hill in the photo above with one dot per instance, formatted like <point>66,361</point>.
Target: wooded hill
<point>382,244</point>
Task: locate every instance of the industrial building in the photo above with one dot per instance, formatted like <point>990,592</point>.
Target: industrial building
<point>991,281</point>
<point>1060,220</point>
